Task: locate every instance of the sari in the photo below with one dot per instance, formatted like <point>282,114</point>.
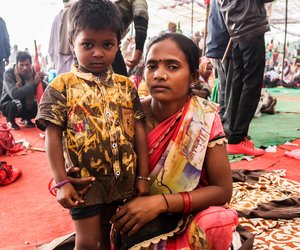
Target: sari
<point>177,149</point>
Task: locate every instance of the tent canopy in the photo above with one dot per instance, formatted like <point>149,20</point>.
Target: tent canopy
<point>162,12</point>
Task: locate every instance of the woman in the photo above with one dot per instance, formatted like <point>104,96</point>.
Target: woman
<point>189,170</point>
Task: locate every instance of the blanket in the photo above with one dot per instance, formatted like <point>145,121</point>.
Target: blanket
<point>269,208</point>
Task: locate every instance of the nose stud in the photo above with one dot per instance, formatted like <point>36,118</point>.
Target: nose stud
<point>165,77</point>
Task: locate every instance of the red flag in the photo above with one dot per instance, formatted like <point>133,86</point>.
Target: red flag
<point>37,68</point>
<point>207,1</point>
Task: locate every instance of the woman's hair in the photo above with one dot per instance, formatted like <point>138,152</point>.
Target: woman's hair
<point>95,15</point>
<point>23,56</point>
<point>186,45</point>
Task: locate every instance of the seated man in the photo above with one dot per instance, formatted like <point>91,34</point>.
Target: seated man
<point>19,91</point>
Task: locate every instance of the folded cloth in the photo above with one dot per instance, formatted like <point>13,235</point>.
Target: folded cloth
<point>8,173</point>
<point>294,153</point>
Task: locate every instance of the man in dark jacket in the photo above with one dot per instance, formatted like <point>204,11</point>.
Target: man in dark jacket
<point>216,43</point>
<point>4,50</point>
<point>135,11</point>
<point>247,22</point>
<point>19,91</point>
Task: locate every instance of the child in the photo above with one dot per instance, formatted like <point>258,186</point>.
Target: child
<point>96,115</point>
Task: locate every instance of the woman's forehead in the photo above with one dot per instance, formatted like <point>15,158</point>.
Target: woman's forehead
<point>165,50</point>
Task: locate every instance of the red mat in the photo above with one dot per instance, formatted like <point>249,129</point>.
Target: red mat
<point>271,161</point>
<point>30,216</point>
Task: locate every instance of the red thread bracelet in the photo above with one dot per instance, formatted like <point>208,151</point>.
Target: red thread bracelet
<point>50,185</point>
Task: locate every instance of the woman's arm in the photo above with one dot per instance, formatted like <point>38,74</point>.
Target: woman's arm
<point>136,213</point>
<point>141,149</point>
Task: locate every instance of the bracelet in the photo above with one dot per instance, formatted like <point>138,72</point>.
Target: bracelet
<point>187,206</point>
<point>190,201</point>
<point>167,203</point>
<point>143,178</point>
<point>58,185</point>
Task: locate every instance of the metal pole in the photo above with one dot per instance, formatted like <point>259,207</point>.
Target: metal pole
<point>285,32</point>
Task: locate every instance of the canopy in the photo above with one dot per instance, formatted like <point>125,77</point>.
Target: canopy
<point>162,12</point>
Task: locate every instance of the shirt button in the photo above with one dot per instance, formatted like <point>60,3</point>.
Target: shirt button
<point>107,113</point>
<point>118,173</point>
<point>114,145</point>
<point>117,123</point>
<point>97,78</point>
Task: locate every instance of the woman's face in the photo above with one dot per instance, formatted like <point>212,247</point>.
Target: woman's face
<point>167,72</point>
<point>95,49</point>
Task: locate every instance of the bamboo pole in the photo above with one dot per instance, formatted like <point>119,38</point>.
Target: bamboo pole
<point>205,27</point>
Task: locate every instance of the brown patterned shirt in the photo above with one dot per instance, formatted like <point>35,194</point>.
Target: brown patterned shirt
<point>97,115</point>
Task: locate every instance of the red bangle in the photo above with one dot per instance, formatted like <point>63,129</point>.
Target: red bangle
<point>186,202</point>
<point>190,201</point>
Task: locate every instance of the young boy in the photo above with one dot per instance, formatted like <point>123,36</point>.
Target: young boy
<point>97,115</point>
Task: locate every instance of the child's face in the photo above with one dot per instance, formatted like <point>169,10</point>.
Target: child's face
<point>167,72</point>
<point>209,69</point>
<point>95,49</point>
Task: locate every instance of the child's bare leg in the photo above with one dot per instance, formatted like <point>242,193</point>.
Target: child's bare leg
<point>88,233</point>
<point>93,233</point>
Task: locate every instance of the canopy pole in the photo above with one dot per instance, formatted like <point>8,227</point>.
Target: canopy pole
<point>205,27</point>
<point>285,33</point>
<point>192,19</point>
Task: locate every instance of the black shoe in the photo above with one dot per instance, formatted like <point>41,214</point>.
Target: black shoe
<point>30,124</point>
<point>14,126</point>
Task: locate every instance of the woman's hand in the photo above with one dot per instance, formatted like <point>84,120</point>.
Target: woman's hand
<point>137,212</point>
<point>81,184</point>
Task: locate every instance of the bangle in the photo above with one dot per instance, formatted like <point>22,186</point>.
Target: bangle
<point>58,185</point>
<point>143,178</point>
<point>190,201</point>
<point>186,202</point>
<point>167,203</point>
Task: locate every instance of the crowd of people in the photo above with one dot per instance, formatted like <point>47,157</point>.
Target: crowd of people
<point>137,148</point>
<point>282,72</point>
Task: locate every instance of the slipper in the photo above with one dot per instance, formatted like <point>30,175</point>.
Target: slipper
<point>8,173</point>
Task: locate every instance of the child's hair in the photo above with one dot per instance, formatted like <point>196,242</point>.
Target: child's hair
<point>185,44</point>
<point>96,15</point>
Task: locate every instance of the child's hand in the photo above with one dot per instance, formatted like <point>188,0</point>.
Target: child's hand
<point>142,187</point>
<point>67,196</point>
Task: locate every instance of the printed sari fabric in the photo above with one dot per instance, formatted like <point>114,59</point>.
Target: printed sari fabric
<point>177,150</point>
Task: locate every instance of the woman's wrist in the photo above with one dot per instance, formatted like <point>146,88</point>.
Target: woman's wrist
<point>166,203</point>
